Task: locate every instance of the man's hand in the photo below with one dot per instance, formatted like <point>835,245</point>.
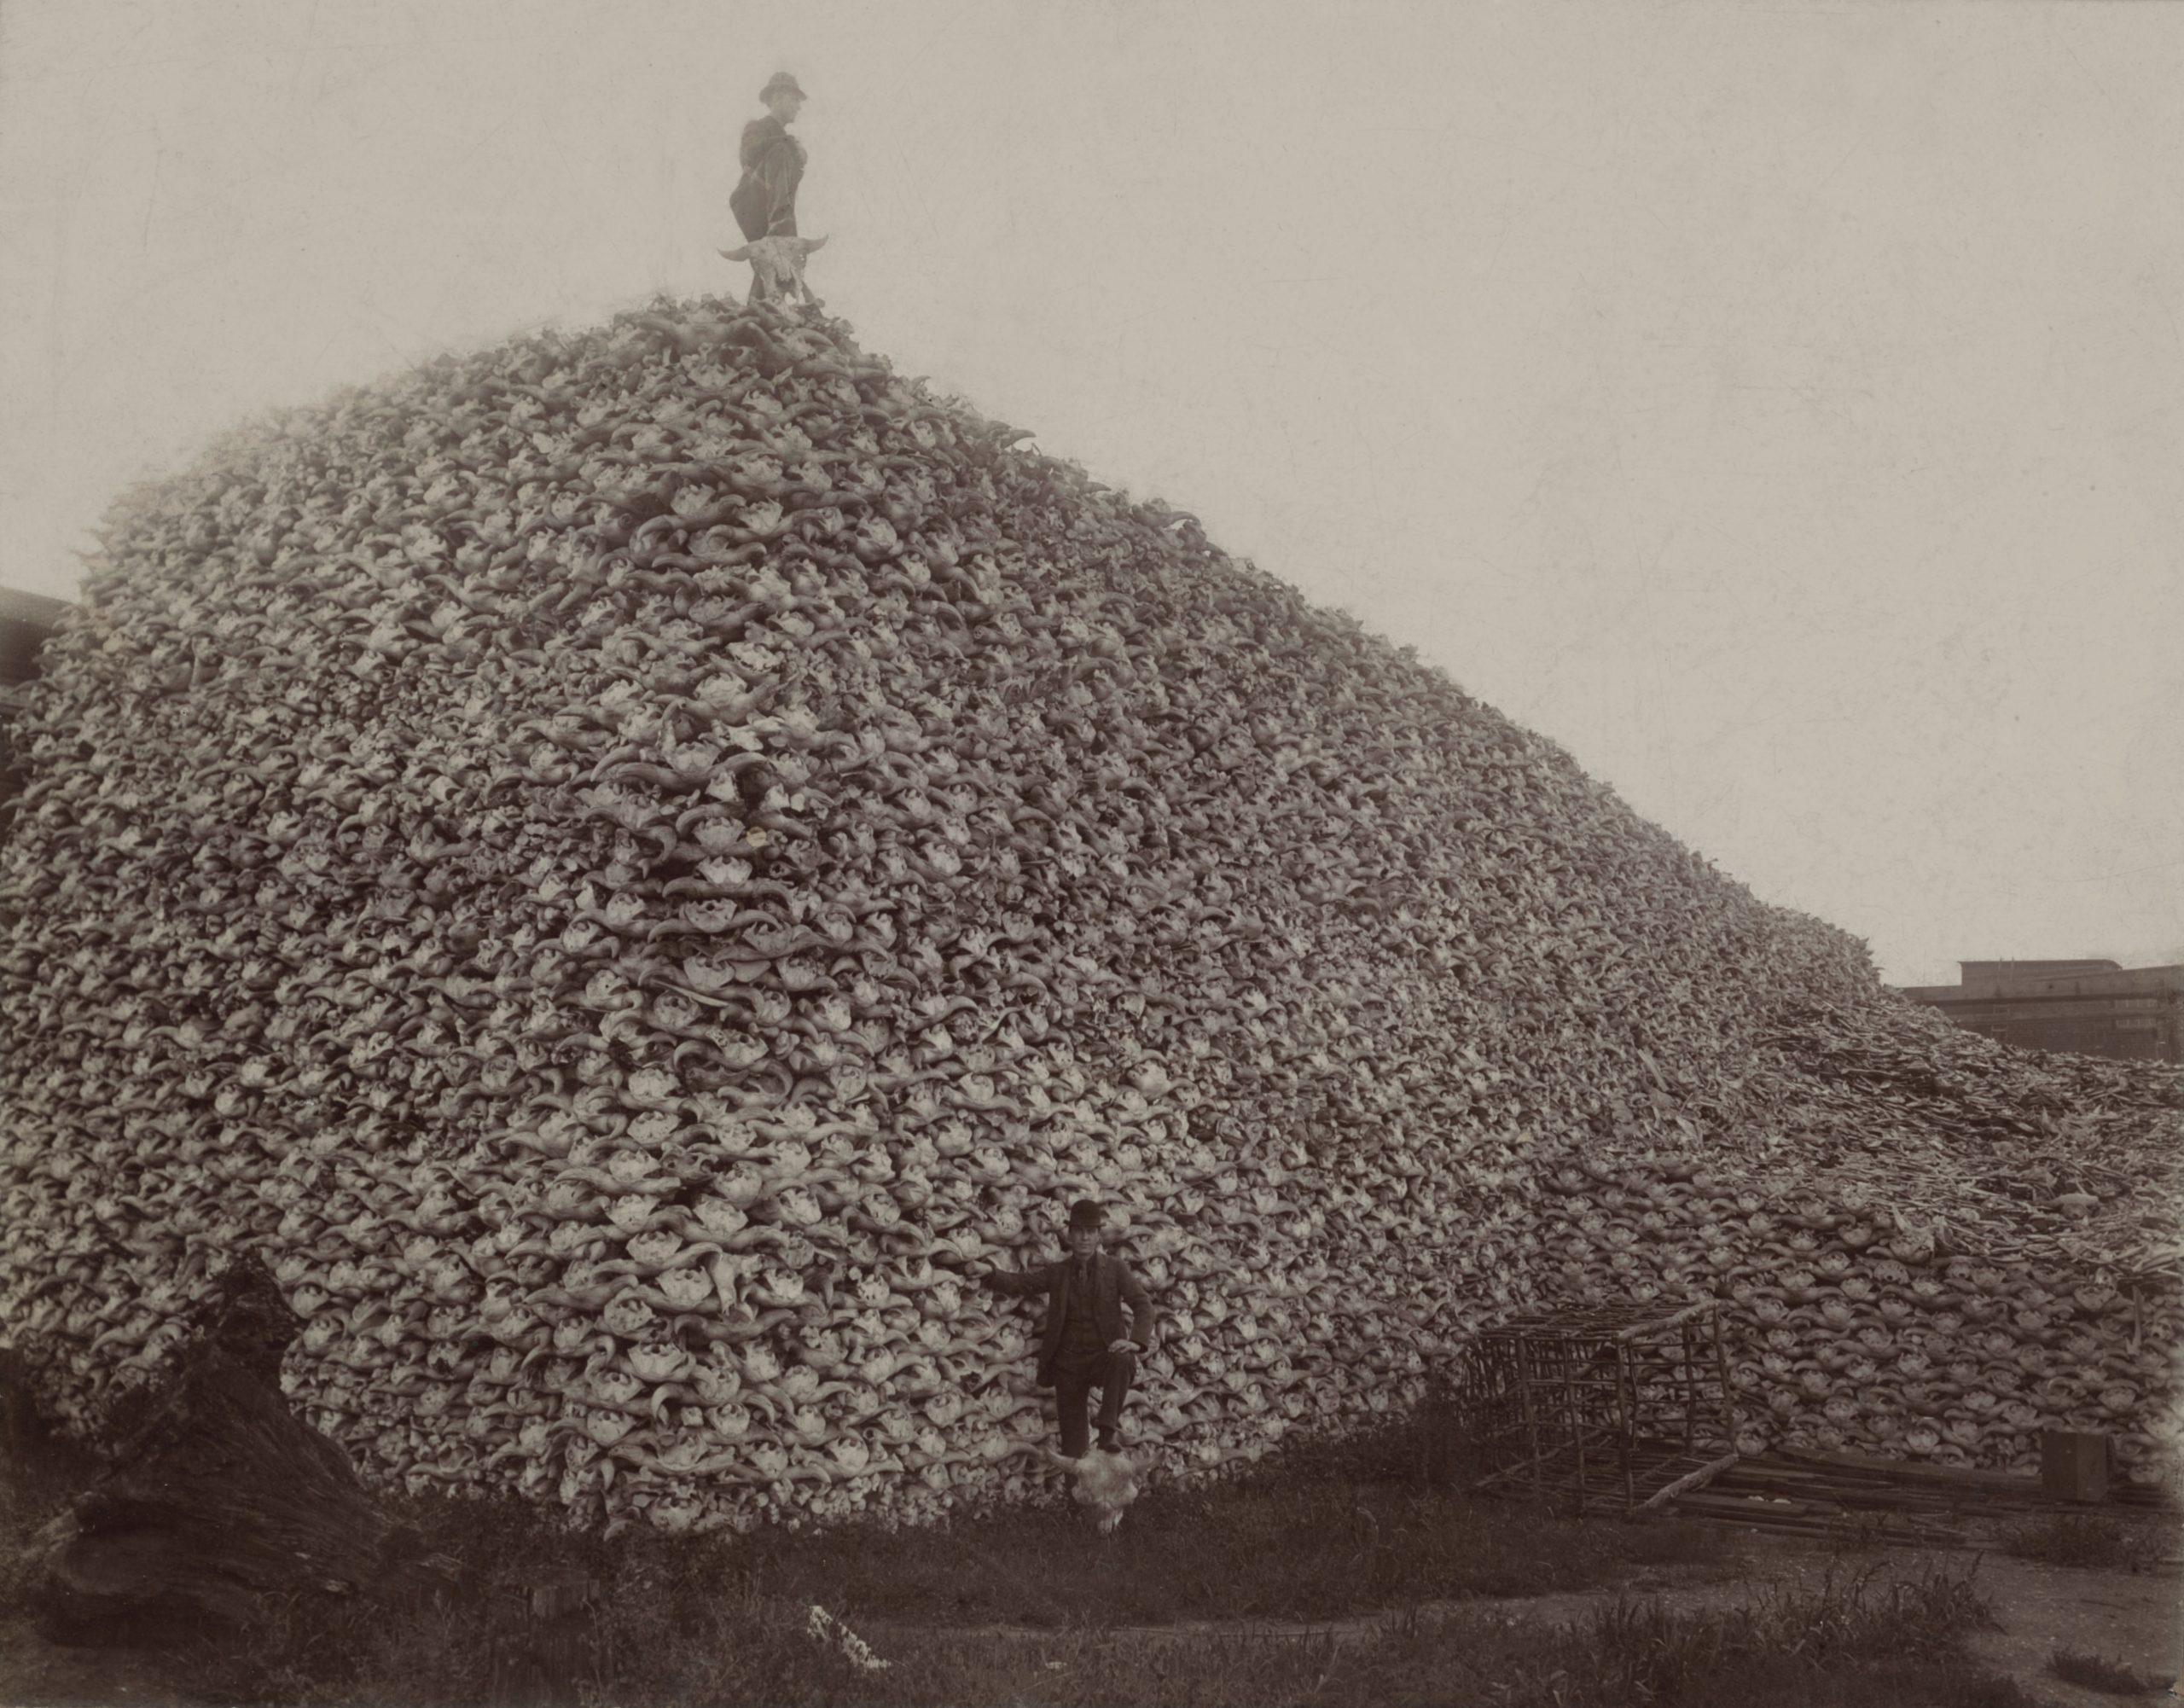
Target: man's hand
<point>1124,1346</point>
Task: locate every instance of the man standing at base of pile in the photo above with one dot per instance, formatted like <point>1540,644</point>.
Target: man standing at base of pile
<point>765,199</point>
<point>1082,1345</point>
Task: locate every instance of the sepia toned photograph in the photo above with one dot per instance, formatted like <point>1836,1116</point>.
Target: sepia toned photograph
<point>958,854</point>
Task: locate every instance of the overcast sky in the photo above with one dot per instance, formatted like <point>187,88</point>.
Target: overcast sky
<point>1779,406</point>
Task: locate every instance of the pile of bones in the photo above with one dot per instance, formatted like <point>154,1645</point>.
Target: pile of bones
<point>626,863</point>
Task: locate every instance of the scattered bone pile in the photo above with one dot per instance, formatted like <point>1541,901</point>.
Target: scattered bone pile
<point>625,863</point>
<point>1931,1247</point>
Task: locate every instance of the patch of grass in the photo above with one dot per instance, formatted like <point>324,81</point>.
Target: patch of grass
<point>1426,1445</point>
<point>1857,1533</point>
<point>1675,1541</point>
<point>1844,1646</point>
<point>2098,1672</point>
<point>1840,1644</point>
<point>2087,1540</point>
<point>26,1505</point>
<point>1319,1532</point>
<point>724,1645</point>
<point>1262,1547</point>
<point>701,1620</point>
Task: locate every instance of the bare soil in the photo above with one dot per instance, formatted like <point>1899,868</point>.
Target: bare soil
<point>2132,1619</point>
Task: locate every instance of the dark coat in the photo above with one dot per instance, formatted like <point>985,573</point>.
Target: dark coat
<point>1113,1286</point>
<point>764,200</point>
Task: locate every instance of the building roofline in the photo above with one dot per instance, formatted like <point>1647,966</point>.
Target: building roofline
<point>2125,982</point>
<point>36,610</point>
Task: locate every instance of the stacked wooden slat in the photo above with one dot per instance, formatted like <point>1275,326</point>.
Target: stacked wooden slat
<point>1805,1490</point>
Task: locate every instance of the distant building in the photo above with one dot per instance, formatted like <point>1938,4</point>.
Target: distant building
<point>26,620</point>
<point>2086,1008</point>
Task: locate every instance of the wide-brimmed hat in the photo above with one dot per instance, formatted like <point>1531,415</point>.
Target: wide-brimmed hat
<point>782,84</point>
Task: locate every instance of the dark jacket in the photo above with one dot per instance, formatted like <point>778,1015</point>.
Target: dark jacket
<point>1113,1286</point>
<point>764,200</point>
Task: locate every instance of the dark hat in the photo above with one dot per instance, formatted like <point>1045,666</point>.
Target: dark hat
<point>782,84</point>
<point>1085,1213</point>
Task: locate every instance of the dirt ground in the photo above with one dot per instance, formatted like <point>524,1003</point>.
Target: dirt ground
<point>2135,1619</point>
<point>34,1673</point>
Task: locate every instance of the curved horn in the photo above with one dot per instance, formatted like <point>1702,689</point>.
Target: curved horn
<point>742,254</point>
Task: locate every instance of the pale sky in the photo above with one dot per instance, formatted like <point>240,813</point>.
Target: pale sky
<point>1778,406</point>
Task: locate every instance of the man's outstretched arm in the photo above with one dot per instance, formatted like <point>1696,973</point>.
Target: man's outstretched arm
<point>1018,1282</point>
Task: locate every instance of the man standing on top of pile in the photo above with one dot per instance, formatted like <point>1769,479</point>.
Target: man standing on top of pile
<point>765,200</point>
<point>1082,1345</point>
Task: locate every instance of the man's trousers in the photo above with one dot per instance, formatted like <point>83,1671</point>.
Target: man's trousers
<point>1075,1377</point>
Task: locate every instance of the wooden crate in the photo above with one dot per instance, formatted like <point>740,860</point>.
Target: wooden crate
<point>2075,1464</point>
<point>1611,1407</point>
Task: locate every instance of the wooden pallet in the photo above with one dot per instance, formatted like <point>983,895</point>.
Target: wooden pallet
<point>1652,1475</point>
<point>1803,1489</point>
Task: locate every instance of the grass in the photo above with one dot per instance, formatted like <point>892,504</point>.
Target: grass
<point>2098,1672</point>
<point>1266,1548</point>
<point>1846,1644</point>
<point>1843,1644</point>
<point>1312,1535</point>
<point>2087,1540</point>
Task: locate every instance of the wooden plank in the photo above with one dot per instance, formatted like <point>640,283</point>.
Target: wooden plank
<point>1865,1485</point>
<point>1843,1526</point>
<point>1881,1499</point>
<point>1846,1491</point>
<point>2000,1480</point>
<point>1708,1500</point>
<point>1911,1491</point>
<point>1689,1482</point>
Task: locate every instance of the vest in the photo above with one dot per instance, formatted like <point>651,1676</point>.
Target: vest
<point>1080,1329</point>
